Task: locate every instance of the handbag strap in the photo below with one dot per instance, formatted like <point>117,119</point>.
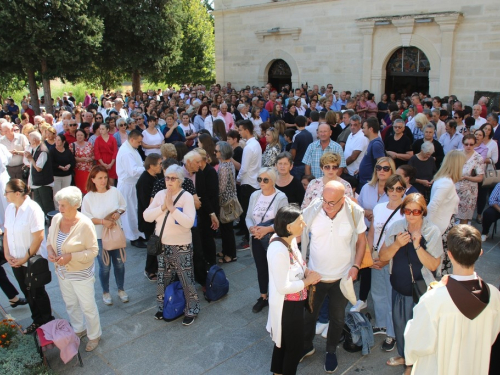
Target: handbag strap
<point>166,215</point>
<point>409,265</point>
<point>289,248</point>
<point>268,207</point>
<point>382,231</point>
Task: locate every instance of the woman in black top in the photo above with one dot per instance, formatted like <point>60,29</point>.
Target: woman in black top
<point>288,184</point>
<point>290,116</point>
<point>277,113</point>
<point>63,164</point>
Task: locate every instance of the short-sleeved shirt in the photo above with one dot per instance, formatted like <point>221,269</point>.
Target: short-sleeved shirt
<point>375,150</point>
<point>300,144</point>
<point>355,142</point>
<point>264,208</point>
<point>400,146</point>
<point>315,152</point>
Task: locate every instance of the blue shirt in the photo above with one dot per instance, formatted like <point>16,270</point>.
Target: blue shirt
<point>374,151</point>
<point>451,143</point>
<point>495,195</point>
<point>315,152</point>
<point>264,115</point>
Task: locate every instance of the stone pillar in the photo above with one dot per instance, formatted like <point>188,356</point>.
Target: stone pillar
<point>378,77</point>
<point>367,31</point>
<point>447,25</point>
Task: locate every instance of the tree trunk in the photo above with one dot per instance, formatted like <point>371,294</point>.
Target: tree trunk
<point>136,81</point>
<point>33,91</point>
<point>49,108</point>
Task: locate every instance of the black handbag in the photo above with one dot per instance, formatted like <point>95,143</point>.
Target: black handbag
<point>154,243</point>
<point>419,287</point>
<point>38,273</point>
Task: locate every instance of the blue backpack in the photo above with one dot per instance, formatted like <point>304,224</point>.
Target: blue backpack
<point>173,301</point>
<point>217,284</point>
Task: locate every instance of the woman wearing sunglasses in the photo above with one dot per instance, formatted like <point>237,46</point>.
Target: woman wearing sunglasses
<point>384,215</point>
<point>412,245</point>
<point>371,194</point>
<point>472,174</point>
<point>329,164</point>
<point>262,209</point>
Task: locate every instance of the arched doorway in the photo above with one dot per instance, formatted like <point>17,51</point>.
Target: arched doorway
<point>280,74</point>
<point>407,72</point>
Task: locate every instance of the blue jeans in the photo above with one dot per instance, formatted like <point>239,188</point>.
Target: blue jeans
<point>402,312</point>
<point>118,268</point>
<point>382,300</point>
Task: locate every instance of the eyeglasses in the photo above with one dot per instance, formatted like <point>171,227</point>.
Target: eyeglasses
<point>469,144</point>
<point>397,127</point>
<point>456,118</point>
<point>123,125</point>
<point>331,203</point>
<point>260,179</point>
<point>168,178</point>
<point>73,125</point>
<point>399,189</point>
<point>385,168</point>
<point>7,192</point>
<point>332,167</point>
<point>415,212</point>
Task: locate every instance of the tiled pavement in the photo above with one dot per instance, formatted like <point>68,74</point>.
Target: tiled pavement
<point>226,338</point>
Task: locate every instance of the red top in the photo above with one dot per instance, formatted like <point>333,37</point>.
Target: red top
<point>106,151</point>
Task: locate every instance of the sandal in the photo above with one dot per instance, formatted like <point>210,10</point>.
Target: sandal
<point>395,361</point>
<point>159,315</point>
<point>223,260</point>
<point>220,255</point>
<point>31,329</point>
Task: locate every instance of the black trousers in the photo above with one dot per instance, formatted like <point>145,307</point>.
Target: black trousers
<point>490,216</point>
<point>482,197</point>
<point>207,235</point>
<point>228,240</point>
<point>199,263</point>
<point>260,257</point>
<point>151,260</point>
<point>336,310</point>
<point>245,192</point>
<point>44,196</point>
<point>365,280</point>
<point>5,284</point>
<point>38,299</point>
<point>286,359</point>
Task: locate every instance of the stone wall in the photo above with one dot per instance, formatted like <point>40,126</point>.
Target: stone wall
<point>323,43</point>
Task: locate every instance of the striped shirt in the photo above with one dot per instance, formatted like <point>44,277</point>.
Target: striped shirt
<point>81,275</point>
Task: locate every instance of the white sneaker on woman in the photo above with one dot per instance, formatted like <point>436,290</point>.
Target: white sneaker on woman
<point>484,237</point>
<point>106,297</point>
<point>360,305</point>
<point>320,327</point>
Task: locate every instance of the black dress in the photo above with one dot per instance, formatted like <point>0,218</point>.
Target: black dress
<point>294,191</point>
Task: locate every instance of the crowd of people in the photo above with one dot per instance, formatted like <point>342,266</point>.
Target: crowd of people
<point>321,177</point>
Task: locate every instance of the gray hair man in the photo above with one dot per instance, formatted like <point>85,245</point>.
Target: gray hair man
<point>15,143</point>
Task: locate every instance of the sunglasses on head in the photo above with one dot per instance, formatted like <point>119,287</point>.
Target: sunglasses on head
<point>415,212</point>
<point>332,167</point>
<point>385,168</point>
<point>260,179</point>
<point>399,189</point>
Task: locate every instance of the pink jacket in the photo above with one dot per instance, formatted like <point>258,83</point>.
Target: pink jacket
<point>60,332</point>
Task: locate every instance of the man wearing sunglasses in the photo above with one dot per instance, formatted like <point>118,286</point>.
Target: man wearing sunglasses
<point>335,237</point>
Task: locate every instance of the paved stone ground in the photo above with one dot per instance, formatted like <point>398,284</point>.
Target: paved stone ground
<point>226,338</point>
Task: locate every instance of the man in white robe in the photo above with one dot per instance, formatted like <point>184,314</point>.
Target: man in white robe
<point>129,167</point>
<point>456,322</point>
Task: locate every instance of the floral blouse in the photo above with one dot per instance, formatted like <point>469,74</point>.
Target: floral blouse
<point>294,262</point>
<point>315,190</point>
<point>227,184</point>
<point>87,151</point>
<point>270,154</point>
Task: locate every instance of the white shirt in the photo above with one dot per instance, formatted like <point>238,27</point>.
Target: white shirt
<point>355,142</point>
<point>40,162</point>
<point>250,163</point>
<point>209,123</point>
<point>99,205</point>
<point>443,203</point>
<point>334,261</point>
<point>59,127</point>
<point>262,211</point>
<point>20,227</point>
<point>19,143</point>
<point>380,215</point>
<point>313,129</point>
<point>150,140</point>
<point>479,121</point>
<point>492,150</point>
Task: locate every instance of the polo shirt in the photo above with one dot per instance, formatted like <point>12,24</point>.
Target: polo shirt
<point>451,143</point>
<point>264,115</point>
<point>314,152</point>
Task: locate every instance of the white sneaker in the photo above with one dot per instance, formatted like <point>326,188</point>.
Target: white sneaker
<point>360,305</point>
<point>320,327</point>
<point>106,297</point>
<point>484,237</point>
<point>123,296</point>
<point>325,331</point>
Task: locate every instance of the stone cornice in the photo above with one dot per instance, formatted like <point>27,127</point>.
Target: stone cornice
<point>294,32</point>
<point>437,15</point>
<point>221,8</point>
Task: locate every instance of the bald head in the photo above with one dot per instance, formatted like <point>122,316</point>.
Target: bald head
<point>333,188</point>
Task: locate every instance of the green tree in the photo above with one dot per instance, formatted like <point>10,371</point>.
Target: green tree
<point>197,61</point>
<point>52,37</point>
<point>141,38</point>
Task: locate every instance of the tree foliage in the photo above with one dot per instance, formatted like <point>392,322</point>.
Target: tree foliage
<point>198,48</point>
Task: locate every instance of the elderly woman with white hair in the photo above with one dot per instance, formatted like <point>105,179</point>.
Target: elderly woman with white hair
<point>121,135</point>
<point>72,247</point>
<point>175,207</point>
<point>262,209</point>
<point>425,167</point>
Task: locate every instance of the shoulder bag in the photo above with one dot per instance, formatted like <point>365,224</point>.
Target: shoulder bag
<point>375,248</point>
<point>265,239</point>
<point>112,239</point>
<point>38,273</point>
<point>418,287</point>
<point>491,176</point>
<point>311,289</point>
<point>367,256</point>
<point>154,242</point>
<point>231,210</point>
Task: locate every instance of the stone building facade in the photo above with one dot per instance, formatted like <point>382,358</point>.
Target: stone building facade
<point>449,46</point>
